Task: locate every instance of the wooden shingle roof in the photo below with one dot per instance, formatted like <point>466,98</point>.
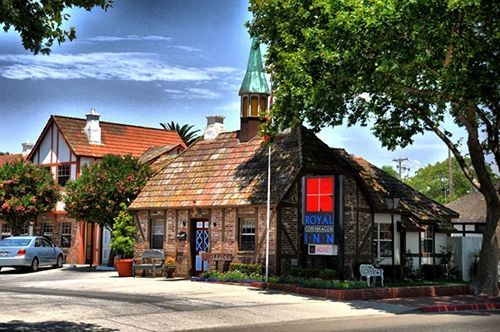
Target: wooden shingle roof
<point>472,207</point>
<point>8,158</point>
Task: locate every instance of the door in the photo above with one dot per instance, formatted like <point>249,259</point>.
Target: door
<point>201,245</point>
<point>50,251</point>
<point>106,245</point>
<point>41,252</point>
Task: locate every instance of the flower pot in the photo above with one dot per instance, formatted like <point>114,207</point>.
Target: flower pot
<point>170,271</point>
<point>124,267</point>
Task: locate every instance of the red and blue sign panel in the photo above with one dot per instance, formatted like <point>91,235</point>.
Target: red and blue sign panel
<point>319,210</point>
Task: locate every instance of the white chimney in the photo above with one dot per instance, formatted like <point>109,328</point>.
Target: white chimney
<point>27,147</point>
<point>92,128</point>
<point>215,126</point>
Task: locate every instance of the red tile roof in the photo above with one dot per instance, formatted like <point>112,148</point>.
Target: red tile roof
<point>10,158</point>
<point>118,139</point>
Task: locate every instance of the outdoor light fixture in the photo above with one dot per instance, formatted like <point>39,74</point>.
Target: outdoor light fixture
<point>215,224</point>
<point>392,204</point>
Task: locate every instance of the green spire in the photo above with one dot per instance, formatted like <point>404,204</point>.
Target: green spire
<point>255,79</point>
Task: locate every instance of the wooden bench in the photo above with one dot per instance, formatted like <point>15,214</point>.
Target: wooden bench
<point>368,271</point>
<point>152,259</point>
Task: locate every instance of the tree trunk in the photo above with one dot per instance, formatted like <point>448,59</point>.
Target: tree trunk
<point>486,281</point>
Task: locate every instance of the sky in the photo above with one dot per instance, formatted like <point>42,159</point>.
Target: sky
<point>149,62</point>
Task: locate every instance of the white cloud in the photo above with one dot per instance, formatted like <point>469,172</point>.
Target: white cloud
<point>129,66</point>
<point>234,106</point>
<point>129,37</point>
<point>203,93</point>
<point>187,48</point>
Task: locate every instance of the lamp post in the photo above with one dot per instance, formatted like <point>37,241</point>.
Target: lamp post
<point>392,204</point>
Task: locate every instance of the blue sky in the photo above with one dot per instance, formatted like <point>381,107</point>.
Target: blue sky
<point>146,62</point>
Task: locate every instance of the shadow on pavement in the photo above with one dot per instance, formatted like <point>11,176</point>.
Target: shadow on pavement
<point>52,326</point>
<point>25,271</point>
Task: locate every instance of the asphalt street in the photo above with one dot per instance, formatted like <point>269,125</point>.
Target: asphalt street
<point>79,300</point>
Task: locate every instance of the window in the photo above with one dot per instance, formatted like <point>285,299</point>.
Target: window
<point>38,243</point>
<point>427,240</point>
<point>383,240</point>
<point>263,104</point>
<point>63,174</point>
<point>247,233</point>
<point>46,243</point>
<point>65,234</point>
<point>6,232</point>
<point>254,106</point>
<point>319,194</point>
<point>47,228</point>
<point>158,234</point>
<point>244,109</point>
<point>25,231</point>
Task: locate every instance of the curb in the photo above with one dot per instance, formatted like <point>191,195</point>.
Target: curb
<point>461,307</point>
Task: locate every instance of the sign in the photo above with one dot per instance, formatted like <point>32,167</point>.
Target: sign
<point>318,216</point>
<point>322,249</point>
<point>217,257</point>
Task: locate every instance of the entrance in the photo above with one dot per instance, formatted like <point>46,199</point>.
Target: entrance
<point>200,245</point>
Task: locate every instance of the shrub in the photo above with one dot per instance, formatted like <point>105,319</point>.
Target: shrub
<point>232,275</point>
<point>124,231</point>
<point>322,283</point>
<point>307,273</point>
<point>328,274</point>
<point>249,269</point>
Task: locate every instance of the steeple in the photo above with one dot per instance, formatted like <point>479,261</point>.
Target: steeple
<point>254,94</point>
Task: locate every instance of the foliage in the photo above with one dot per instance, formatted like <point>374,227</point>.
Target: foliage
<point>40,22</point>
<point>448,269</point>
<point>407,269</point>
<point>124,232</point>
<point>186,132</point>
<point>308,273</point>
<point>170,261</point>
<point>233,276</point>
<point>97,194</point>
<point>26,190</point>
<point>390,170</point>
<point>403,67</point>
<point>432,181</point>
<point>322,283</point>
<point>246,268</point>
<point>4,153</point>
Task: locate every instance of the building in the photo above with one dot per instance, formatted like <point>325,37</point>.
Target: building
<point>328,208</point>
<point>65,146</point>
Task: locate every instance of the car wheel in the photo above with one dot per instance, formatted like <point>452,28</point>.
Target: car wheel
<point>59,263</point>
<point>34,265</point>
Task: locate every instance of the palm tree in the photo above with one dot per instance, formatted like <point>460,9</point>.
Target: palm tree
<point>186,132</point>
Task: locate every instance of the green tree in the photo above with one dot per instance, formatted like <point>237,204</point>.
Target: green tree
<point>124,233</point>
<point>390,170</point>
<point>403,67</point>
<point>4,153</point>
<point>39,23</point>
<point>186,132</point>
<point>97,194</point>
<point>432,181</point>
<point>26,190</point>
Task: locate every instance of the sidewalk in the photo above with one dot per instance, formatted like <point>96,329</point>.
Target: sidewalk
<point>448,303</point>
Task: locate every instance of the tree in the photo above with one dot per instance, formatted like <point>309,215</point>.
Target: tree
<point>124,233</point>
<point>186,132</point>
<point>40,22</point>
<point>4,153</point>
<point>390,170</point>
<point>26,190</point>
<point>97,194</point>
<point>402,66</point>
<point>432,181</point>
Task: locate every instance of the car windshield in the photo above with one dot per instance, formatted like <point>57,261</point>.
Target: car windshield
<point>14,242</point>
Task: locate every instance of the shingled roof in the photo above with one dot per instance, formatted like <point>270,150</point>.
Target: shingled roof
<point>472,207</point>
<point>118,139</point>
<point>225,172</point>
<point>379,185</point>
<point>8,158</point>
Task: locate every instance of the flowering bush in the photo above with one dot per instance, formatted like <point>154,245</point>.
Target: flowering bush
<point>170,261</point>
<point>26,190</point>
<point>97,194</point>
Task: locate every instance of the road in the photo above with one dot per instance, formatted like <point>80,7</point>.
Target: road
<point>77,300</point>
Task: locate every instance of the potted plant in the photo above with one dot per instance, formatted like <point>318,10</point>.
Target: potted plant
<point>123,242</point>
<point>170,266</point>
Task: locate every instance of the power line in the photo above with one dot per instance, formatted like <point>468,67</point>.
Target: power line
<point>400,166</point>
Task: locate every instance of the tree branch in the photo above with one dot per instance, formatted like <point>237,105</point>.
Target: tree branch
<point>453,149</point>
<point>492,132</point>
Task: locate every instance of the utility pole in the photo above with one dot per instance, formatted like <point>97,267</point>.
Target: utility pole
<point>450,176</point>
<point>400,166</point>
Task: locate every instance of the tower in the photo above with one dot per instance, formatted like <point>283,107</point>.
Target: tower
<point>254,94</point>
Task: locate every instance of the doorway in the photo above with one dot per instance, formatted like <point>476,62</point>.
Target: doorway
<point>200,245</point>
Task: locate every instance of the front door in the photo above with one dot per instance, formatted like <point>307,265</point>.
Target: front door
<point>106,245</point>
<point>201,245</point>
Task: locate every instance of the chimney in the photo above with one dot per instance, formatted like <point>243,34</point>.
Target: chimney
<point>215,126</point>
<point>92,128</point>
<point>27,147</point>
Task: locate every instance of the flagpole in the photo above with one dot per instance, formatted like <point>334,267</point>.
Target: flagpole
<point>268,214</point>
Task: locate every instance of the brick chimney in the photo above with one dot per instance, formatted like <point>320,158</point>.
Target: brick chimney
<point>92,128</point>
<point>215,126</point>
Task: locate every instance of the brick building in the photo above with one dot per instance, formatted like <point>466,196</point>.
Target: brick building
<point>65,146</point>
<point>208,205</point>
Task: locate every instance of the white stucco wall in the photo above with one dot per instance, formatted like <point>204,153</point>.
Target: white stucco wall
<point>63,150</point>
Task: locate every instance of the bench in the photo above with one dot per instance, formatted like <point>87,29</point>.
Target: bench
<point>368,271</point>
<point>152,259</point>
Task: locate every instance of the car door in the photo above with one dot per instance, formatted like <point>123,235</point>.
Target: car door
<point>50,251</point>
<point>39,251</point>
